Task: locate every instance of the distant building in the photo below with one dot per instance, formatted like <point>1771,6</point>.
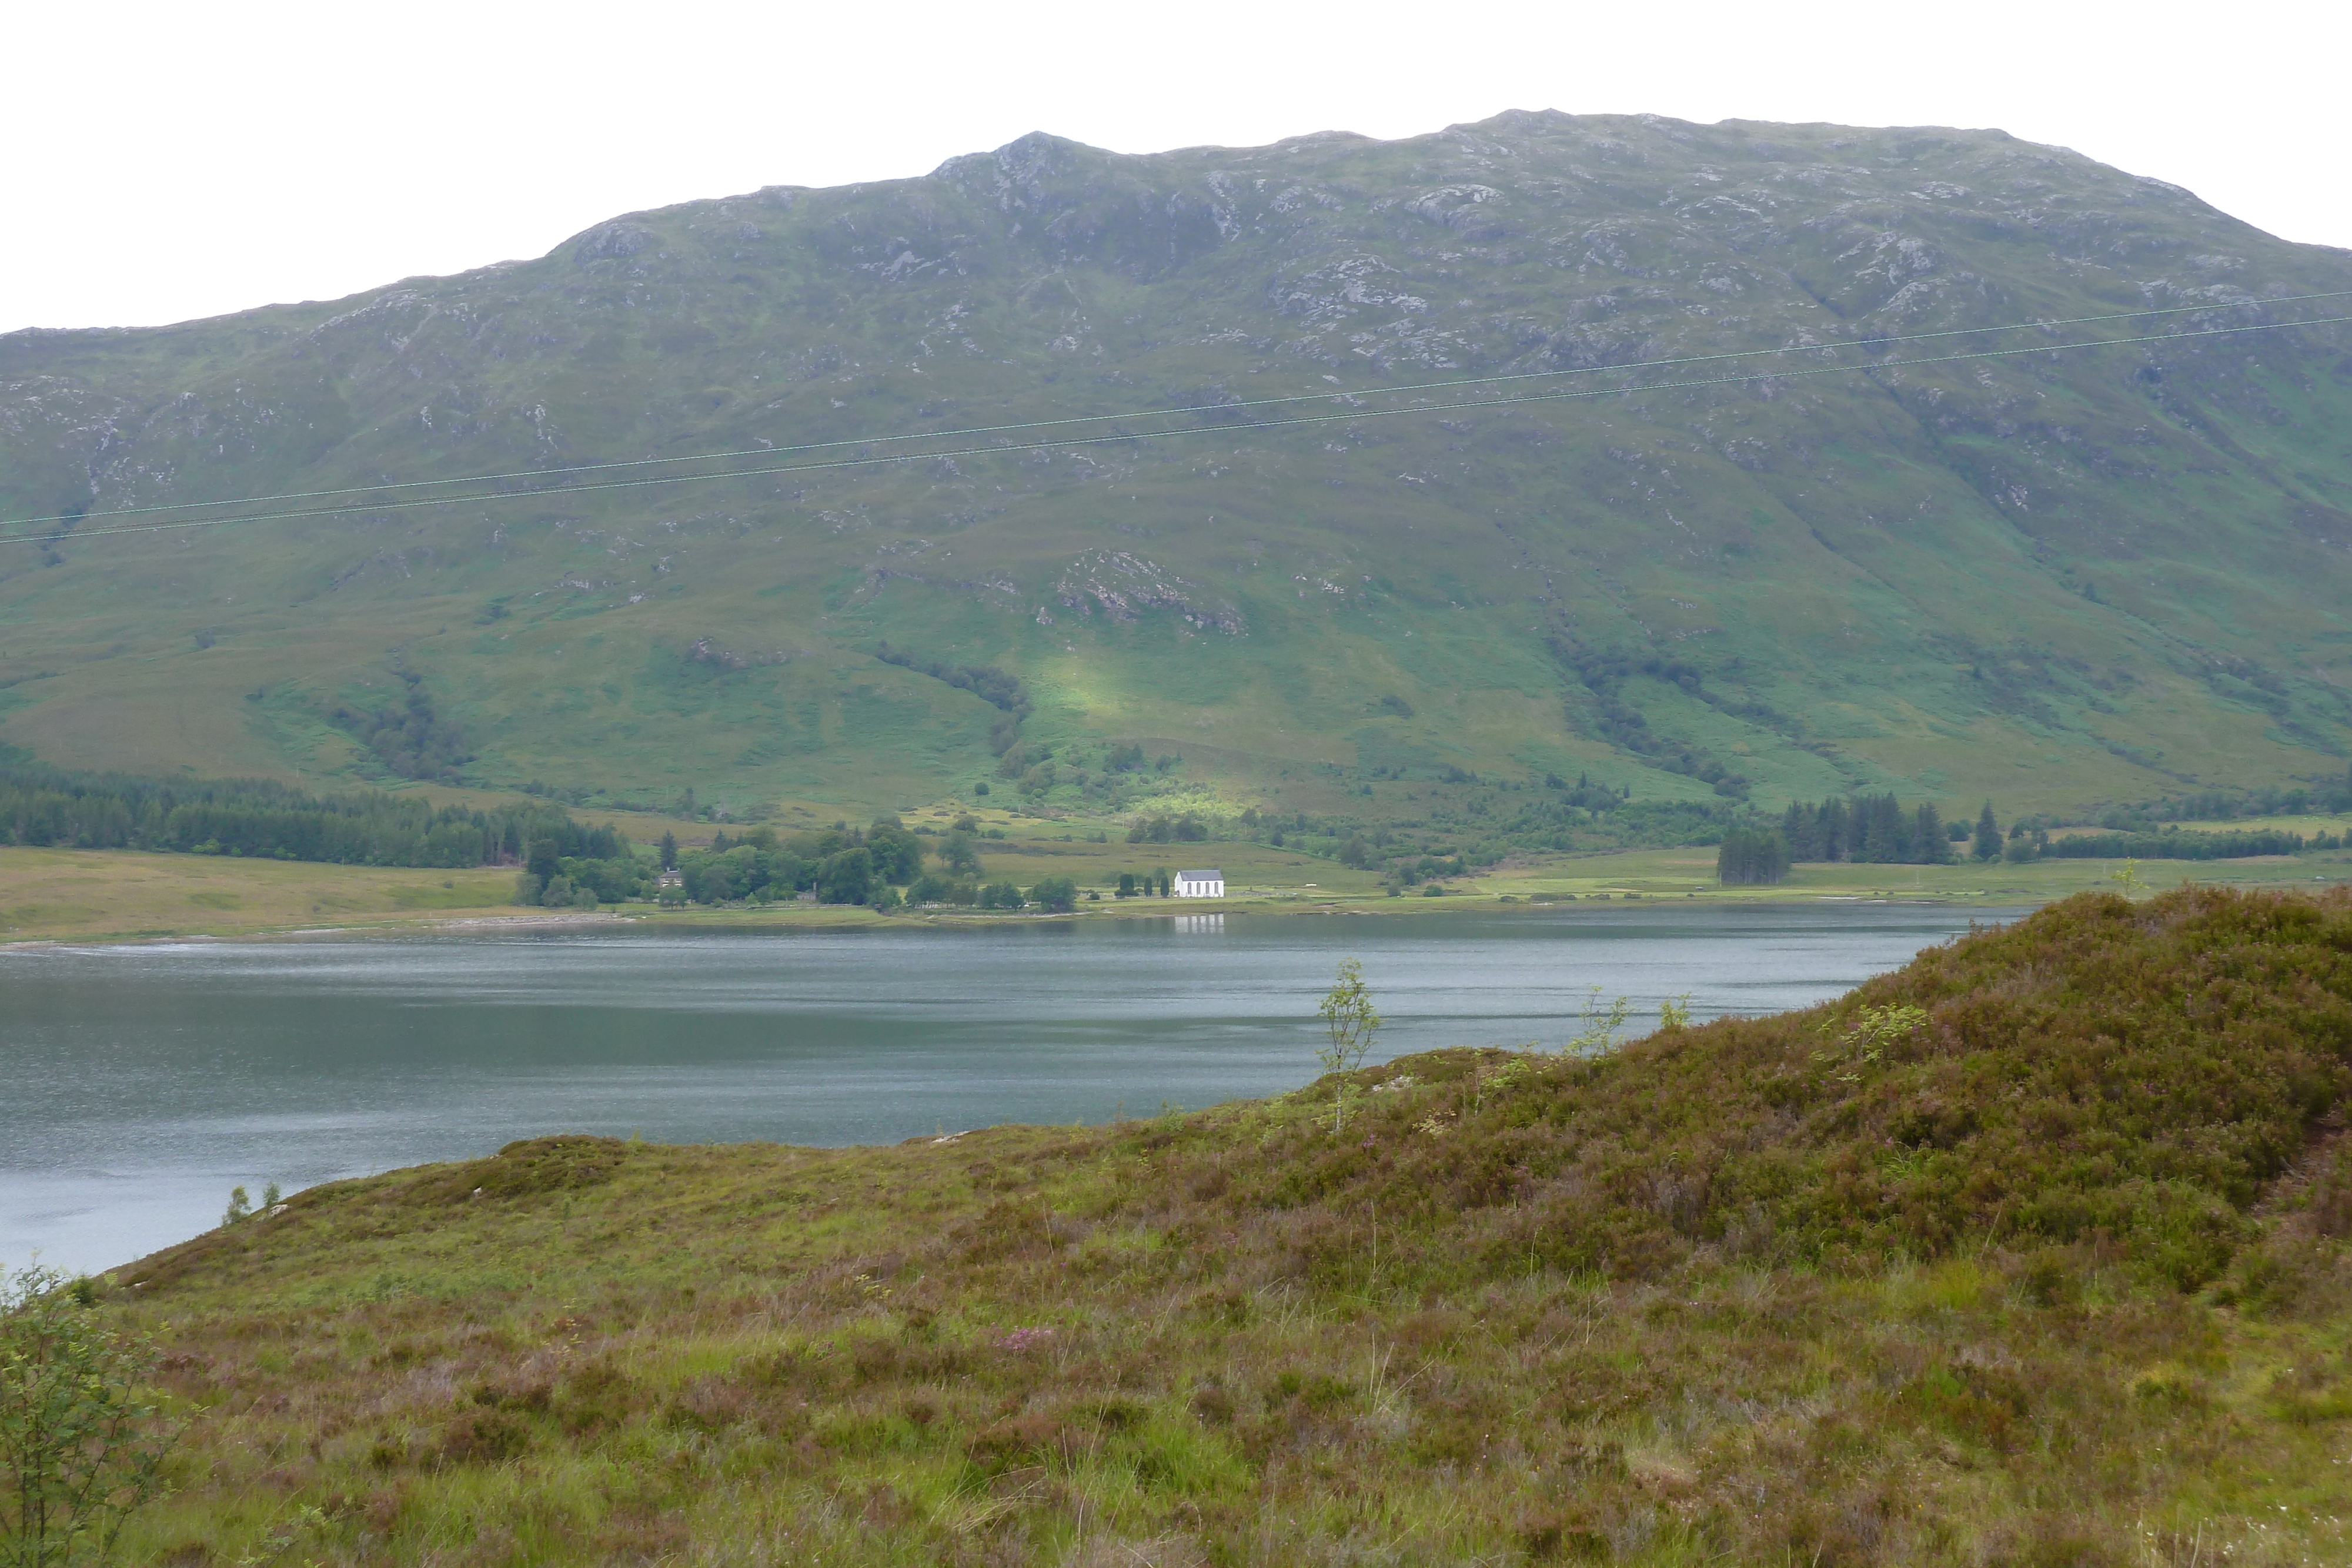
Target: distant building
<point>1200,884</point>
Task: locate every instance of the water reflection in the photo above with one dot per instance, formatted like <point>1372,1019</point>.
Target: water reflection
<point>146,1081</point>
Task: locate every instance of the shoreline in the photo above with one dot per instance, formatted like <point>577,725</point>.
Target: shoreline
<point>857,917</point>
<point>114,898</point>
<point>276,934</point>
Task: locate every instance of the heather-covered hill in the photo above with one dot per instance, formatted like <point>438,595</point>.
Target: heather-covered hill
<point>2049,577</point>
<point>2033,1252</point>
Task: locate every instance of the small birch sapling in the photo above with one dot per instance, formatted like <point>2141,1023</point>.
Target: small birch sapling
<point>1350,1022</point>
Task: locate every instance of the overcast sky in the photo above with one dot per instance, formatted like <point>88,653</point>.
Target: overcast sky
<point>171,160</point>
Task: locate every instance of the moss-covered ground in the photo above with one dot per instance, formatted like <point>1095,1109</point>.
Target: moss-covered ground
<point>2034,1252</point>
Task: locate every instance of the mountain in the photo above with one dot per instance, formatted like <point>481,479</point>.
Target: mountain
<point>2048,577</point>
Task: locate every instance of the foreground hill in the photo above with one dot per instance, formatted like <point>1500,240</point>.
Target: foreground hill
<point>2049,577</point>
<point>2033,1252</point>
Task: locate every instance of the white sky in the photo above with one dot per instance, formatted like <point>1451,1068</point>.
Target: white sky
<point>171,161</point>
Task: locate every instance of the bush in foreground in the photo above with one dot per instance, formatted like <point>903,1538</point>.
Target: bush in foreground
<point>81,1444</point>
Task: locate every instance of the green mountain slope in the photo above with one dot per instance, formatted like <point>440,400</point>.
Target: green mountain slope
<point>2049,577</point>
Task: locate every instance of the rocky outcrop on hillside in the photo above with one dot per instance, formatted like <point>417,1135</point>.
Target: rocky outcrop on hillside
<point>1818,496</point>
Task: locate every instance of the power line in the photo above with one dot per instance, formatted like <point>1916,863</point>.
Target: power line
<point>1351,417</point>
<point>963,432</point>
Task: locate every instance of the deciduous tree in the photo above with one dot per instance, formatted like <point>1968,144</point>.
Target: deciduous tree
<point>1350,1022</point>
<point>83,1439</point>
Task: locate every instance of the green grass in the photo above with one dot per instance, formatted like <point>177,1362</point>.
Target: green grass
<point>2309,825</point>
<point>2097,577</point>
<point>51,894</point>
<point>1686,873</point>
<point>86,894</point>
<point>2034,1252</point>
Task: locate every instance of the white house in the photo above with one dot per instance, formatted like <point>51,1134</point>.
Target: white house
<point>1200,884</point>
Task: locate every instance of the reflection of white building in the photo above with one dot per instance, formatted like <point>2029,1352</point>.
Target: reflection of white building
<point>1202,925</point>
<point>1200,884</point>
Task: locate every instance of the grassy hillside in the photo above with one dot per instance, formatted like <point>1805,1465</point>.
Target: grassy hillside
<point>2054,579</point>
<point>2034,1252</point>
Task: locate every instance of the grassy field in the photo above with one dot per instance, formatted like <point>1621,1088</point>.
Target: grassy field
<point>1690,873</point>
<point>1256,873</point>
<point>101,895</point>
<point>1874,1284</point>
<point>2308,825</point>
<point>81,895</point>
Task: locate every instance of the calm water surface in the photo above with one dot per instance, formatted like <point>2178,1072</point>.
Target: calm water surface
<point>143,1083</point>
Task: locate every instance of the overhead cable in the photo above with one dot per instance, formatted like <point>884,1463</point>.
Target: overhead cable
<point>1352,416</point>
<point>1226,408</point>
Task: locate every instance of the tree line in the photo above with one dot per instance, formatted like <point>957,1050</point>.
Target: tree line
<point>1750,857</point>
<point>408,735</point>
<point>2326,795</point>
<point>1001,689</point>
<point>1604,673</point>
<point>257,818</point>
<point>2175,845</point>
<point>841,864</point>
<point>1873,828</point>
<point>1876,828</point>
<point>881,866</point>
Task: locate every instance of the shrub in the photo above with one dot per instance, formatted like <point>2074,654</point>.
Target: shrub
<point>485,1436</point>
<point>82,1442</point>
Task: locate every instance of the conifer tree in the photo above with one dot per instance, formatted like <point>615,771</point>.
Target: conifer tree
<point>1988,838</point>
<point>1751,856</point>
<point>1878,832</point>
<point>1837,830</point>
<point>1929,845</point>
